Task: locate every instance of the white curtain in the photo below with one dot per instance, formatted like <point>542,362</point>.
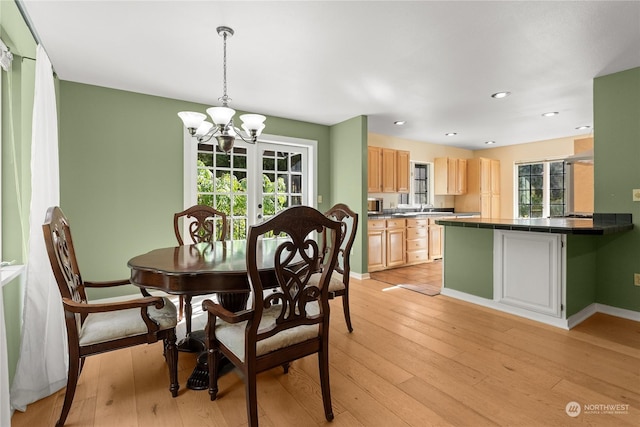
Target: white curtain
<point>42,366</point>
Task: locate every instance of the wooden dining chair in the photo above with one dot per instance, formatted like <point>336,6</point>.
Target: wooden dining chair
<point>98,328</point>
<point>284,325</point>
<point>339,284</point>
<point>204,224</point>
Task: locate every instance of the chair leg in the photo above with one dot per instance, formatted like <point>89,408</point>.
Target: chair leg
<point>345,308</point>
<point>72,382</point>
<point>252,399</point>
<point>323,364</point>
<point>213,359</point>
<point>171,356</point>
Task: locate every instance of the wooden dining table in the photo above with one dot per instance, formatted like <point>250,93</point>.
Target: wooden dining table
<point>200,269</point>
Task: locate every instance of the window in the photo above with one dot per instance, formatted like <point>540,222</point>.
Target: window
<point>541,190</point>
<point>253,182</point>
<point>421,188</point>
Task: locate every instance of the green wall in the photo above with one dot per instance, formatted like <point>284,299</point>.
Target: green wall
<point>17,106</point>
<point>469,260</point>
<point>616,100</point>
<point>348,156</point>
<point>581,272</point>
<point>121,172</point>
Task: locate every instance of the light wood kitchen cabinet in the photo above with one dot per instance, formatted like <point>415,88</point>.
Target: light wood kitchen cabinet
<point>377,244</point>
<point>396,242</point>
<point>374,169</point>
<point>483,188</point>
<point>417,240</point>
<point>403,171</point>
<point>450,176</point>
<point>387,243</point>
<point>388,170</point>
<point>389,160</point>
<point>436,240</point>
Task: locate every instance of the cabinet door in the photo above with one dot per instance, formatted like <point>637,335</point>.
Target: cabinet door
<point>461,176</point>
<point>440,175</point>
<point>495,177</point>
<point>377,252</point>
<point>495,206</point>
<point>485,175</point>
<point>395,247</point>
<point>528,271</point>
<point>402,171</point>
<point>452,176</point>
<point>374,173</point>
<point>485,206</point>
<point>435,241</point>
<point>388,170</point>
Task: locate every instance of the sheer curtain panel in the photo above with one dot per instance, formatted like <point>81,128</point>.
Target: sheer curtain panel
<point>42,366</point>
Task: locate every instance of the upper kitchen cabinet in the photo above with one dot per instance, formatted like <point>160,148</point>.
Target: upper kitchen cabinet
<point>388,170</point>
<point>403,169</point>
<point>374,170</point>
<point>483,188</point>
<point>450,176</point>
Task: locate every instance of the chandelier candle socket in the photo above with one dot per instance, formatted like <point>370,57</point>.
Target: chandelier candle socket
<point>222,127</point>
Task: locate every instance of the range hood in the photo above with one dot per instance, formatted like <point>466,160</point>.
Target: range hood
<point>583,157</point>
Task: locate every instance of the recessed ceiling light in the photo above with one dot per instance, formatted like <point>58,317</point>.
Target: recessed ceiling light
<point>499,95</point>
<point>583,127</point>
<point>550,114</point>
<point>489,142</point>
<point>399,122</point>
<point>450,134</point>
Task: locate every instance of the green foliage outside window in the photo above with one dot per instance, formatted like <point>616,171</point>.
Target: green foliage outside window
<point>230,196</point>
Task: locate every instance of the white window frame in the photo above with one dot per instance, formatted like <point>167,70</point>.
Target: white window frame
<point>430,197</point>
<point>546,191</point>
<point>190,167</point>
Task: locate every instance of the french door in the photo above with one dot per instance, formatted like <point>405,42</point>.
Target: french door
<point>252,182</point>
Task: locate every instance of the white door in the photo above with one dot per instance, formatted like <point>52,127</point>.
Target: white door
<point>252,182</point>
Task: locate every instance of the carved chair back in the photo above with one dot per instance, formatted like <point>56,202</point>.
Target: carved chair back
<point>205,224</point>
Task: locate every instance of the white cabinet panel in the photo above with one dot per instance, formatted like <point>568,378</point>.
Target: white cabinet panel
<point>528,271</point>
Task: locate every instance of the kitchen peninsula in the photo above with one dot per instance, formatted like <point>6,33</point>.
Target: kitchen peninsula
<point>542,269</point>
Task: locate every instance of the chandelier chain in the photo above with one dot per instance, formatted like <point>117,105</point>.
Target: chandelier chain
<point>225,98</point>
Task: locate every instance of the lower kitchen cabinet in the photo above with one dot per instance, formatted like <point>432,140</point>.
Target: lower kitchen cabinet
<point>377,244</point>
<point>396,242</point>
<point>417,241</point>
<point>436,240</point>
<point>387,243</point>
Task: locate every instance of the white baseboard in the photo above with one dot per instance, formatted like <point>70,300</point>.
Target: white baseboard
<point>360,276</point>
<point>569,323</point>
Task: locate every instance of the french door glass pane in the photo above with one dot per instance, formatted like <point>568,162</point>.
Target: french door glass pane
<point>222,184</point>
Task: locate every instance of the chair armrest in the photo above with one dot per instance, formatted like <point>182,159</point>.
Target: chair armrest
<point>106,284</point>
<point>86,308</point>
<point>226,315</point>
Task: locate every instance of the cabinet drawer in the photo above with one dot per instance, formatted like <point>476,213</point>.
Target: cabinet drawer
<point>416,233</point>
<point>417,256</point>
<point>396,223</point>
<point>416,222</point>
<point>377,224</point>
<point>416,244</point>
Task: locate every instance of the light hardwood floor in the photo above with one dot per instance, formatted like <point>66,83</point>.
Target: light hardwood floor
<point>412,360</point>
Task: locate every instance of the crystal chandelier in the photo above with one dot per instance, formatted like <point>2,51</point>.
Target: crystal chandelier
<point>222,127</point>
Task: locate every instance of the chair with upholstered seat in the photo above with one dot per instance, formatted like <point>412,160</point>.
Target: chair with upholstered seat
<point>339,284</point>
<point>203,224</point>
<point>284,325</point>
<point>99,328</point>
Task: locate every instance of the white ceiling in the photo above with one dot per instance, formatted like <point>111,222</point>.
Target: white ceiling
<point>433,64</point>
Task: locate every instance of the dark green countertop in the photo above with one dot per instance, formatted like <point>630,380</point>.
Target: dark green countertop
<point>599,225</point>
